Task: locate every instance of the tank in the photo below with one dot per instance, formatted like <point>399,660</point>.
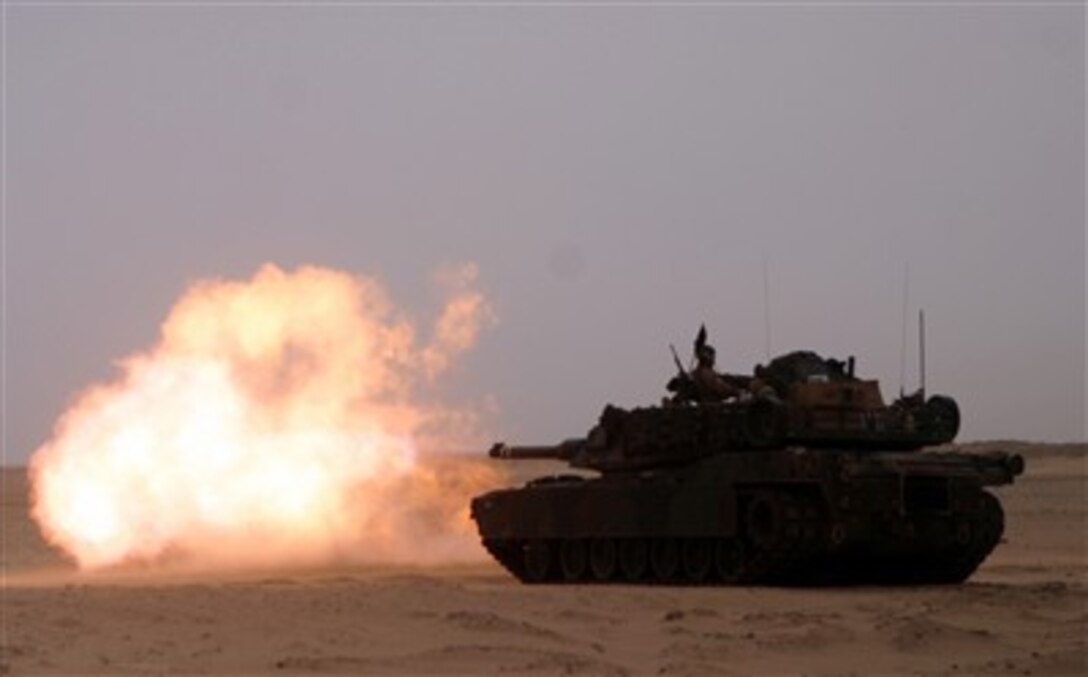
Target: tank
<point>806,478</point>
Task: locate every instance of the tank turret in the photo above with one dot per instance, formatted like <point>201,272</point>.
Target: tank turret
<point>802,399</point>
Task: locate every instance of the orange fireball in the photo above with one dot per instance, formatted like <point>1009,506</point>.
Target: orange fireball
<point>276,422</point>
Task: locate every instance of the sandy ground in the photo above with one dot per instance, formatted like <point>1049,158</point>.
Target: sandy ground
<point>1024,612</point>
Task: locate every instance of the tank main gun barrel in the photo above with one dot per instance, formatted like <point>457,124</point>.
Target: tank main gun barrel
<point>564,451</point>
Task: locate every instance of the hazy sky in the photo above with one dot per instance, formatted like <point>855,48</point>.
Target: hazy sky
<point>619,173</point>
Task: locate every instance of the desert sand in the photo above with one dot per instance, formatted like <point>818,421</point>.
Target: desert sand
<point>1024,612</point>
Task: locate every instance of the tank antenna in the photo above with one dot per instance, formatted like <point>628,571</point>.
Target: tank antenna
<point>922,352</point>
<point>903,331</point>
<point>766,311</point>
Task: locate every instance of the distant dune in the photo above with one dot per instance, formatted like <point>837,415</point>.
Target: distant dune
<point>1024,612</point>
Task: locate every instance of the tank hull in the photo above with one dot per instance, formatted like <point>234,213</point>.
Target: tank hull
<point>809,517</point>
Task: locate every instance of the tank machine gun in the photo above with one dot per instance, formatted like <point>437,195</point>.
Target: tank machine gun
<point>822,483</point>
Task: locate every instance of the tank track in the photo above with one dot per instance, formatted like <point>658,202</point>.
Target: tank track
<point>785,541</point>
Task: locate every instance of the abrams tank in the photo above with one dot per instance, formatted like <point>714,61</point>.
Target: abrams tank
<point>792,481</point>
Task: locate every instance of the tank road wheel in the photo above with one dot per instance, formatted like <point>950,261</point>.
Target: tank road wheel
<point>958,563</point>
<point>572,559</point>
<point>974,540</point>
<point>729,560</point>
<point>697,560</point>
<point>634,557</point>
<point>664,559</point>
<point>765,519</point>
<point>537,559</point>
<point>602,558</point>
